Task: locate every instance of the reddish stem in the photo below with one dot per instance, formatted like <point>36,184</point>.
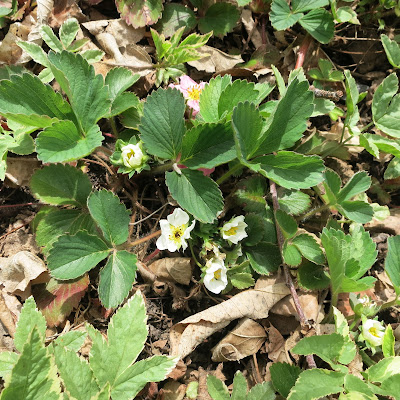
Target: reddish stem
<point>20,205</point>
<point>301,55</point>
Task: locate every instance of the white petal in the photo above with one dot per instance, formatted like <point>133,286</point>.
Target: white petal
<point>165,227</point>
<point>186,234</point>
<point>178,217</point>
<point>162,242</point>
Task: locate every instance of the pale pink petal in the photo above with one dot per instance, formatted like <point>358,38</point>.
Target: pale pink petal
<point>186,82</point>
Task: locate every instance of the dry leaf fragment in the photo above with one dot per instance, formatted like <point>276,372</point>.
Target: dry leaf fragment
<point>215,60</point>
<point>177,269</point>
<point>244,340</point>
<point>17,272</point>
<point>256,303</point>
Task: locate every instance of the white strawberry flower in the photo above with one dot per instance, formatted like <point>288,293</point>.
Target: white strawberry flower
<point>215,279</point>
<point>132,155</point>
<point>175,230</point>
<point>373,332</point>
<point>234,230</point>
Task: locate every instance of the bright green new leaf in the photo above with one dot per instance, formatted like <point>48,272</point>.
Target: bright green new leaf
<point>35,51</point>
<point>61,185</point>
<point>291,170</point>
<point>117,278</point>
<point>392,50</point>
<point>220,18</point>
<point>385,106</point>
<point>134,378</point>
<point>34,376</point>
<point>383,369</point>
<point>162,125</point>
<point>72,256</point>
<point>72,340</point>
<point>357,211</point>
<point>50,38</point>
<point>374,143</point>
<point>86,91</point>
<point>319,24</point>
<point>196,193</point>
<point>118,80</point>
<point>7,362</point>
<point>309,248</point>
<point>341,325</point>
<point>68,31</point>
<point>209,98</point>
<point>247,125</point>
<point>110,215</point>
<point>262,391</point>
<point>287,223</point>
<point>388,342</point>
<point>289,119</point>
<point>239,391</point>
<point>61,142</point>
<point>140,13</point>
<point>346,14</point>
<point>27,100</point>
<point>208,145</point>
<point>283,377</point>
<point>281,15</point>
<point>352,96</point>
<point>354,384</point>
<point>358,183</point>
<point>392,386</point>
<point>392,261</point>
<point>217,389</point>
<point>29,318</point>
<point>315,383</point>
<point>76,374</point>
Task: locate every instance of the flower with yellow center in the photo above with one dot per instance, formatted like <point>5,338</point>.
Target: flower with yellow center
<point>191,91</point>
<point>234,230</point>
<point>175,230</point>
<point>215,279</point>
<point>373,332</point>
<point>132,155</point>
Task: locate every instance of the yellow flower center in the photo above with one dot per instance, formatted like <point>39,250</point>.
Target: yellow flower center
<point>131,153</point>
<point>176,234</point>
<point>217,274</point>
<point>232,231</point>
<point>194,93</point>
<point>374,331</point>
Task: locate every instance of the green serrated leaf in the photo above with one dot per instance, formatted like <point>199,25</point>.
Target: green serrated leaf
<point>210,96</point>
<point>293,202</point>
<point>208,145</point>
<point>383,369</point>
<point>281,15</point>
<point>117,278</point>
<point>61,185</point>
<point>307,5</point>
<point>27,100</point>
<point>86,91</point>
<point>140,13</point>
<point>217,389</point>
<point>319,24</point>
<point>196,193</point>
<point>250,194</point>
<point>392,261</point>
<point>385,106</point>
<point>393,169</point>
<point>50,38</point>
<point>358,183</point>
<point>388,342</point>
<point>174,17</point>
<point>315,383</point>
<point>108,358</point>
<point>291,170</point>
<point>265,257</point>
<point>110,215</point>
<point>289,119</point>
<point>72,256</point>
<point>72,340</point>
<point>68,31</point>
<point>7,361</point>
<point>76,374</point>
<point>162,125</point>
<point>309,248</point>
<point>239,391</point>
<point>392,50</point>
<point>220,18</point>
<point>262,391</point>
<point>247,125</point>
<point>313,277</point>
<point>34,375</point>
<point>35,51</point>
<point>118,80</point>
<point>392,386</point>
<point>283,377</point>
<point>352,96</point>
<point>29,318</point>
<point>61,142</point>
<point>287,223</point>
<point>291,255</point>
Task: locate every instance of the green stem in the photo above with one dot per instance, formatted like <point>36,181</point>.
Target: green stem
<point>366,127</point>
<point>366,358</point>
<point>193,255</point>
<point>113,126</point>
<point>390,303</point>
<point>230,172</point>
<point>160,168</point>
<point>314,211</point>
<point>353,324</point>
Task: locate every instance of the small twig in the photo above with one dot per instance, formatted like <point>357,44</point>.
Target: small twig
<point>145,239</point>
<point>14,230</point>
<point>149,216</point>
<point>289,281</point>
<point>20,205</point>
<point>258,375</point>
<point>301,55</point>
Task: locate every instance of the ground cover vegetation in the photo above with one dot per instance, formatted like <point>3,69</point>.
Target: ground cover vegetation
<point>199,199</point>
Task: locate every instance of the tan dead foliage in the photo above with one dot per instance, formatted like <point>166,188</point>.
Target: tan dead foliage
<point>18,272</point>
<point>172,391</point>
<point>177,269</point>
<point>391,224</point>
<point>242,341</point>
<point>275,346</point>
<point>20,170</point>
<point>255,304</point>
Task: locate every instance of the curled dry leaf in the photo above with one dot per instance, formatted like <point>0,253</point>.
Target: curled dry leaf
<point>20,170</point>
<point>276,346</point>
<point>17,272</point>
<point>10,52</point>
<point>256,304</point>
<point>7,319</point>
<point>251,28</point>
<point>215,60</point>
<point>244,340</point>
<point>177,269</point>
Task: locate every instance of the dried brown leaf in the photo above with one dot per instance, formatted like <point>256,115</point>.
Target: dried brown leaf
<point>256,303</point>
<point>244,340</point>
<point>177,269</point>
